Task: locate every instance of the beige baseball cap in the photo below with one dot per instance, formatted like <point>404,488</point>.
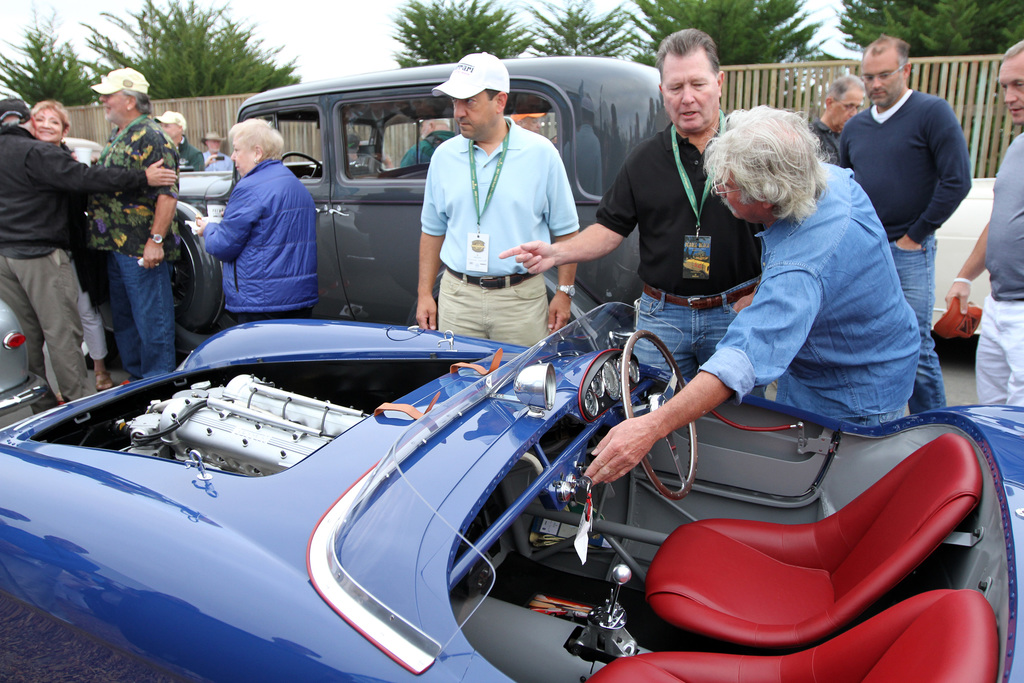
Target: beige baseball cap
<point>173,117</point>
<point>473,74</point>
<point>122,79</point>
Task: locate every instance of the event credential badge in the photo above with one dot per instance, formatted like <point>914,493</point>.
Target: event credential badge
<point>696,257</point>
<point>477,246</point>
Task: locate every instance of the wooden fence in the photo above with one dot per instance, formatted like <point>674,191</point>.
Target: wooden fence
<point>969,84</point>
<point>203,114</point>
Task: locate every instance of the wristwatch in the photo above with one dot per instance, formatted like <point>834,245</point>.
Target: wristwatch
<point>569,290</point>
<point>157,239</point>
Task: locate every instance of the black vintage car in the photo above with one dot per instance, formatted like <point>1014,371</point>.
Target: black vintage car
<point>360,146</point>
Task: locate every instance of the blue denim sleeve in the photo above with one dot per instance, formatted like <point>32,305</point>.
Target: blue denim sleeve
<point>767,335</point>
<point>733,368</point>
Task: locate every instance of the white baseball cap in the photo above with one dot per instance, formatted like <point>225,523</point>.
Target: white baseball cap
<point>473,74</point>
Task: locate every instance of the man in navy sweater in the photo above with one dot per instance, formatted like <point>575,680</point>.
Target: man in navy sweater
<point>910,156</point>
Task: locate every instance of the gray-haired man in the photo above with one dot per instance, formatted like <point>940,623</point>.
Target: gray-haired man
<point>809,325</point>
<point>844,99</point>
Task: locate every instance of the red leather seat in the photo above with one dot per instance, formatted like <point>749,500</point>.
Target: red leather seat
<point>946,636</point>
<point>783,585</point>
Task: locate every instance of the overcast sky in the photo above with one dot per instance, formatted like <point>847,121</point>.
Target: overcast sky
<point>326,39</point>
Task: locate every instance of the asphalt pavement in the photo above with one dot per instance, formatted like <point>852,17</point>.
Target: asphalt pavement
<point>957,359</point>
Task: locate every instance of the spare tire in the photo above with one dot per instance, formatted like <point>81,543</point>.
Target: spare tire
<point>195,279</point>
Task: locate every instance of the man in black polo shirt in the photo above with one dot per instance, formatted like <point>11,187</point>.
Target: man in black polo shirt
<point>698,261</point>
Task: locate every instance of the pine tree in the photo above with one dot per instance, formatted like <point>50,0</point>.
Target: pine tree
<point>447,30</point>
<point>50,70</point>
<point>746,31</point>
<point>573,29</point>
<point>184,50</point>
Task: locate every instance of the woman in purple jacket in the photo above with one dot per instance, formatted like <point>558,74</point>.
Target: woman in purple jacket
<point>267,237</point>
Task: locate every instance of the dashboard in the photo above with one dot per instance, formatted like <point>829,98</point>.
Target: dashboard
<point>601,387</point>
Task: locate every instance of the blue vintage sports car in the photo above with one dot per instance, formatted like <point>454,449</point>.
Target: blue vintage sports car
<point>326,501</point>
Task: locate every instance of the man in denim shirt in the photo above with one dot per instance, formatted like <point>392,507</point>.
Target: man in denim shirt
<point>828,320</point>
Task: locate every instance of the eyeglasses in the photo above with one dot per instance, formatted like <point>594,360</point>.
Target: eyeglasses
<point>720,189</point>
<point>850,106</point>
<point>867,78</point>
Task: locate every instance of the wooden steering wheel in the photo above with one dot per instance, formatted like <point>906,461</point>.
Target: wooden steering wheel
<point>676,381</point>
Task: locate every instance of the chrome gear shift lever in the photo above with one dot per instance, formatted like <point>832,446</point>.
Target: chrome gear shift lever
<point>605,638</point>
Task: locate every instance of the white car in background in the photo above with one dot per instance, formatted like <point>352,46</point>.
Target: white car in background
<point>18,386</point>
<point>955,240</point>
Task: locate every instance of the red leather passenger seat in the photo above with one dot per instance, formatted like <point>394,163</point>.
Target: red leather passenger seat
<point>946,636</point>
<point>783,585</point>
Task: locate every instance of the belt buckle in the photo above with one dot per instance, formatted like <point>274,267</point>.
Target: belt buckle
<point>492,282</point>
<point>692,301</point>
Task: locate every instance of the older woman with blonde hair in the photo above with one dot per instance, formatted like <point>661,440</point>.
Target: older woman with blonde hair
<point>50,123</point>
<point>267,237</point>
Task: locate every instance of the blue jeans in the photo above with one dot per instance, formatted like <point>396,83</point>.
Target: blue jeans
<point>691,335</point>
<point>917,278</point>
<point>876,419</point>
<point>143,311</point>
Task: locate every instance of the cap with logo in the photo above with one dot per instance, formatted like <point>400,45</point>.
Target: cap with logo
<point>173,117</point>
<point>473,74</point>
<point>122,79</point>
<point>14,107</point>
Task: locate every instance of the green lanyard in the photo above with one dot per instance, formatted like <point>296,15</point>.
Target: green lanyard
<point>110,145</point>
<point>691,195</point>
<point>494,180</point>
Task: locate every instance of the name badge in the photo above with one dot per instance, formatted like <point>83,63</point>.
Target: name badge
<point>697,257</point>
<point>477,247</point>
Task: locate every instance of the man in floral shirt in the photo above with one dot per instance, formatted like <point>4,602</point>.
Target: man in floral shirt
<point>137,228</point>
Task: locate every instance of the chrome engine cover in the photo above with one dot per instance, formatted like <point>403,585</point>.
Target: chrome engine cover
<point>248,426</point>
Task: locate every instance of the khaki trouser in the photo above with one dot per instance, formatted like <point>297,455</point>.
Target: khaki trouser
<point>517,315</point>
<point>43,292</point>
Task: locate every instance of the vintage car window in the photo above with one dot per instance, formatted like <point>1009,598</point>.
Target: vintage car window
<point>303,141</point>
<point>610,122</point>
<point>533,112</point>
<point>396,138</point>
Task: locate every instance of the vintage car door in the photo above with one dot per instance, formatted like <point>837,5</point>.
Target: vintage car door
<point>306,134</point>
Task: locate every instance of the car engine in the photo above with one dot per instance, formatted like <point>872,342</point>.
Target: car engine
<point>247,427</point>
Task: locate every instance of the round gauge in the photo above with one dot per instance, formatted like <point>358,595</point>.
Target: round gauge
<point>634,371</point>
<point>611,381</point>
<point>597,384</point>
<point>590,405</point>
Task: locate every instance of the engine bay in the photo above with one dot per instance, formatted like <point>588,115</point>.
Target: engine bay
<point>251,419</point>
<point>247,426</point>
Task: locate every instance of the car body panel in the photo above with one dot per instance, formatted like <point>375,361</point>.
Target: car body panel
<point>18,386</point>
<point>955,240</point>
<point>218,581</point>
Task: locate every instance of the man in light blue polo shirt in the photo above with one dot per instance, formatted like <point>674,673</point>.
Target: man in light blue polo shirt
<point>489,189</point>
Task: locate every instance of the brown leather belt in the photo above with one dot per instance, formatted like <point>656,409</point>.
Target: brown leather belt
<point>493,282</point>
<point>699,302</point>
